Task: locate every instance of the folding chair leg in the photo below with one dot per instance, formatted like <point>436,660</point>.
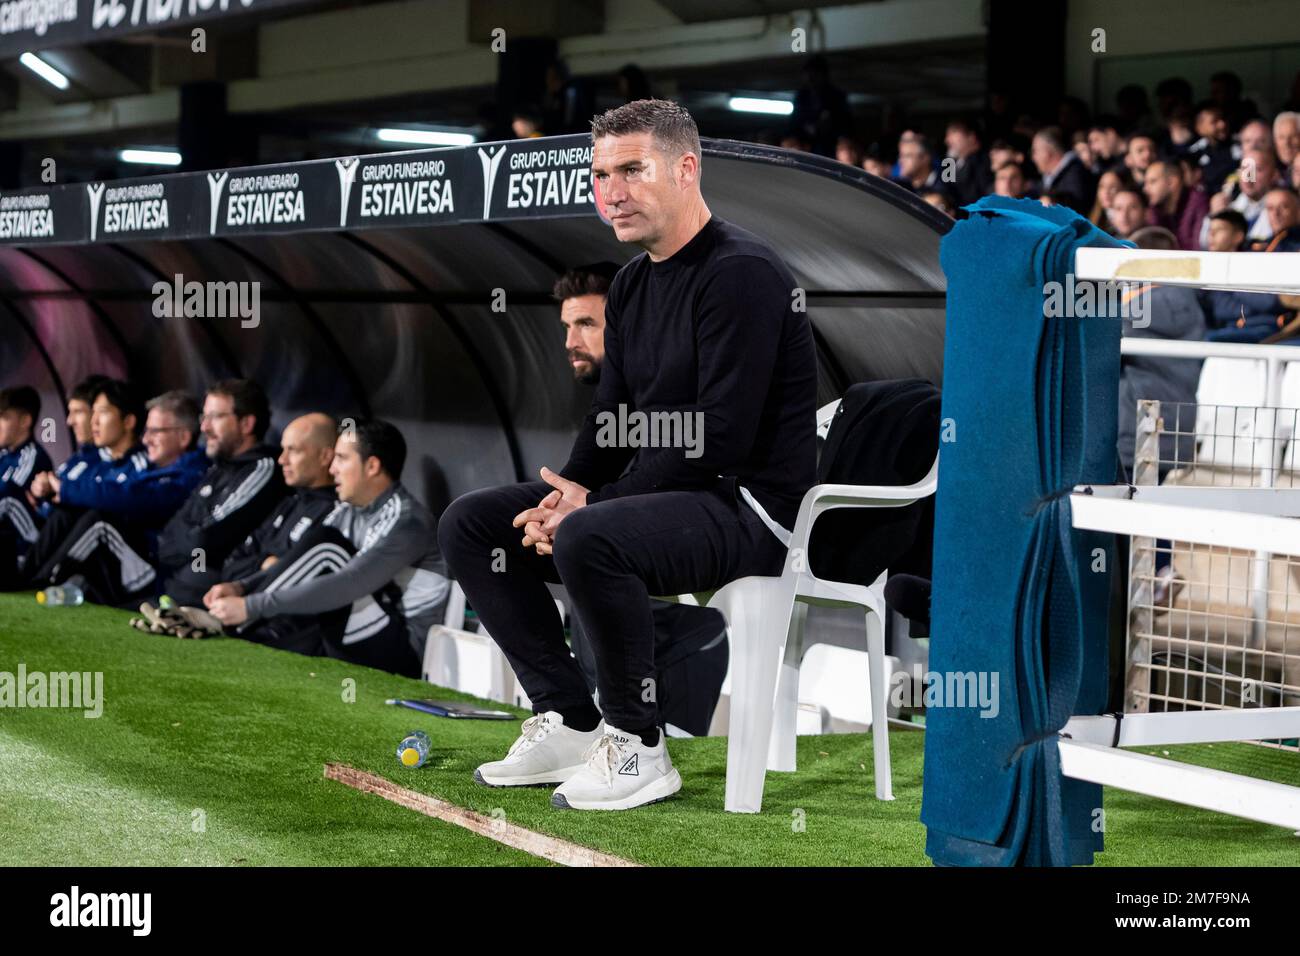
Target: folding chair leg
<point>785,730</point>
<point>879,703</point>
<point>757,611</point>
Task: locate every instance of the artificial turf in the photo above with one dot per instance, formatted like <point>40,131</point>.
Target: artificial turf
<point>211,752</point>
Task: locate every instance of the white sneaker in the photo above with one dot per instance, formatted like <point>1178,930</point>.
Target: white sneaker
<point>546,752</point>
<point>620,773</point>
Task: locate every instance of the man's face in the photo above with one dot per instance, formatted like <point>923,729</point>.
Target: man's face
<point>1286,137</point>
<point>1159,183</point>
<point>1141,154</point>
<point>107,427</point>
<point>960,142</point>
<point>164,438</point>
<point>1212,125</point>
<point>1044,155</point>
<point>1126,214</point>
<point>1295,172</point>
<point>14,426</point>
<point>304,463</point>
<point>847,152</point>
<point>349,471</point>
<point>1009,181</point>
<point>913,159</point>
<point>638,185</point>
<point>1100,142</point>
<point>584,335</point>
<point>79,420</point>
<point>1256,137</point>
<point>1224,237</point>
<point>1256,174</point>
<point>221,427</point>
<point>1283,210</point>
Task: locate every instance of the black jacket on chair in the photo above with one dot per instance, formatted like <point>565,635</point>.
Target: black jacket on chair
<point>883,433</point>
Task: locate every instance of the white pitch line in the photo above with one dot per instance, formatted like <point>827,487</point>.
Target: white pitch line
<point>538,844</point>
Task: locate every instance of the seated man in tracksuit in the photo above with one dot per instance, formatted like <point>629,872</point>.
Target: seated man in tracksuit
<point>368,582</point>
<point>104,528</point>
<point>306,453</point>
<point>87,454</point>
<point>242,486</point>
<point>21,460</point>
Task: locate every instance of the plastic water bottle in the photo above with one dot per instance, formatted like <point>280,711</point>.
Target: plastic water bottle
<point>413,751</point>
<point>60,595</point>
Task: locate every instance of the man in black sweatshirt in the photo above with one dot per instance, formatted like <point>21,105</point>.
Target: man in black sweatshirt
<point>241,488</point>
<point>687,473</point>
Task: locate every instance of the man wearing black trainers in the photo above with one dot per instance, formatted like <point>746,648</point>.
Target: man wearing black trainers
<point>703,343</point>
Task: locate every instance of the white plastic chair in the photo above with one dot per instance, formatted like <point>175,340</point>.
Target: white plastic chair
<point>765,620</point>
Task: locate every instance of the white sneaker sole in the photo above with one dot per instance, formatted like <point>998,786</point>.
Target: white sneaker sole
<point>661,789</point>
<point>551,777</point>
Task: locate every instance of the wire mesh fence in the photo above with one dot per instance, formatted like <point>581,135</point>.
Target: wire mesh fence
<point>1211,628</point>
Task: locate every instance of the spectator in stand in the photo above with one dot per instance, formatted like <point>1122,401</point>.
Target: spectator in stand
<point>1286,137</point>
<point>1073,116</point>
<point>1133,109</point>
<point>1172,205</point>
<point>1227,231</point>
<point>1105,144</point>
<point>916,164</point>
<point>1179,133</point>
<point>1282,209</point>
<point>1063,174</point>
<point>1172,94</point>
<point>1111,182</point>
<point>1009,150</point>
<point>875,162</point>
<point>633,84</point>
<point>1169,312</point>
<point>1256,137</point>
<point>1244,191</point>
<point>821,110</point>
<point>1140,154</point>
<point>1295,173</point>
<point>1010,180</point>
<point>941,201</point>
<point>974,173</point>
<point>1128,212</point>
<point>848,151</point>
<point>1214,151</point>
<point>1225,89</point>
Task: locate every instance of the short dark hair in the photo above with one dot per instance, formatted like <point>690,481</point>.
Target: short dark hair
<point>672,127</point>
<point>1233,218</point>
<point>125,398</point>
<point>87,389</point>
<point>592,279</point>
<point>1142,197</point>
<point>969,126</point>
<point>380,439</point>
<point>21,398</point>
<point>249,399</point>
<point>1154,237</point>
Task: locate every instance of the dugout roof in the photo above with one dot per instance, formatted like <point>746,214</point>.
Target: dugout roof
<point>378,274</point>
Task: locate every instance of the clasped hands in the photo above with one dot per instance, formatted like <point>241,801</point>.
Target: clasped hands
<point>539,523</point>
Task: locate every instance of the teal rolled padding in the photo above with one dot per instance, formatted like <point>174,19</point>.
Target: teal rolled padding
<point>1029,409</point>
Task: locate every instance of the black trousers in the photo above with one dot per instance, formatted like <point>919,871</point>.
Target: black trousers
<point>318,552</point>
<point>611,556</point>
<point>19,529</point>
<point>109,554</point>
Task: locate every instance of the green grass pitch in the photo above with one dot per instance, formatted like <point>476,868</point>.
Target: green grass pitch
<point>211,753</point>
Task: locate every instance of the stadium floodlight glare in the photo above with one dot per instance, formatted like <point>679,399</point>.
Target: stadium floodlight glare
<point>754,104</point>
<point>42,69</point>
<point>425,137</point>
<point>150,157</point>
